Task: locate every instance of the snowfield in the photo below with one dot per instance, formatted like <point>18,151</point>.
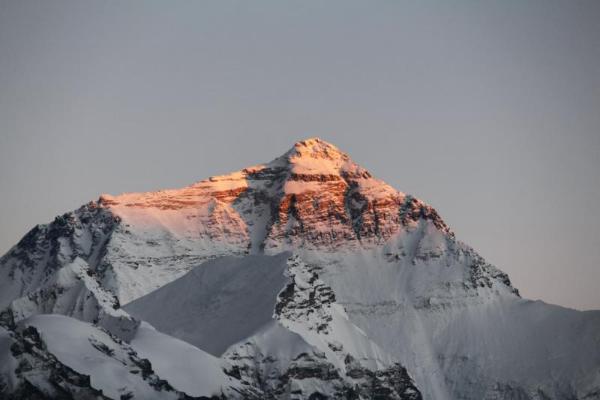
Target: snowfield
<point>192,307</point>
<point>187,368</point>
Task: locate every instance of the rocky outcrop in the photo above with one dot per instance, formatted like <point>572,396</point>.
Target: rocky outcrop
<point>306,298</point>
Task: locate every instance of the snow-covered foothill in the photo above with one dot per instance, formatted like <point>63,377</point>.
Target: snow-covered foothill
<point>113,367</point>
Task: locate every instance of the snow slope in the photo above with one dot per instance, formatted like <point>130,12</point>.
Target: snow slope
<point>92,352</point>
<point>274,321</point>
<point>54,355</point>
<point>465,340</point>
<point>218,303</point>
<point>187,368</point>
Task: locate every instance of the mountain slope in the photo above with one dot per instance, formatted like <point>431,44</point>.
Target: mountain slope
<point>218,303</point>
<point>308,277</point>
<point>465,340</point>
<point>60,357</point>
<point>229,307</point>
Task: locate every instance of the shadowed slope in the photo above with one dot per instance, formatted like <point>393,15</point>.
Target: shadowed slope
<point>218,303</point>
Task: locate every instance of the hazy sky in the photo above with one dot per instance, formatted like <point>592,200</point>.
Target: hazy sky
<point>487,110</point>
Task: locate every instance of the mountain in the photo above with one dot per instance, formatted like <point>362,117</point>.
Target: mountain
<point>304,277</point>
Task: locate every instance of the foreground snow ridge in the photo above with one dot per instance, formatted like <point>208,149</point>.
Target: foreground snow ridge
<point>301,278</point>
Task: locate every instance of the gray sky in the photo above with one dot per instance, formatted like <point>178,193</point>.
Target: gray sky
<point>487,110</point>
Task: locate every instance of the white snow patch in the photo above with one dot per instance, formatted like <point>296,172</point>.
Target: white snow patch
<point>184,366</point>
<point>72,342</point>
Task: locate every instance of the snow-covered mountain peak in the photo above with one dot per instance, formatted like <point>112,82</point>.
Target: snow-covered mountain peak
<point>315,148</point>
<point>377,282</point>
<point>313,195</point>
<point>312,158</point>
<point>317,155</point>
<point>308,160</point>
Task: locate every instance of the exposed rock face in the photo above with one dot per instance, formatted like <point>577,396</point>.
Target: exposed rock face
<point>378,291</point>
<point>313,195</point>
<point>306,298</point>
<point>56,268</point>
<point>47,248</point>
<point>358,383</point>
